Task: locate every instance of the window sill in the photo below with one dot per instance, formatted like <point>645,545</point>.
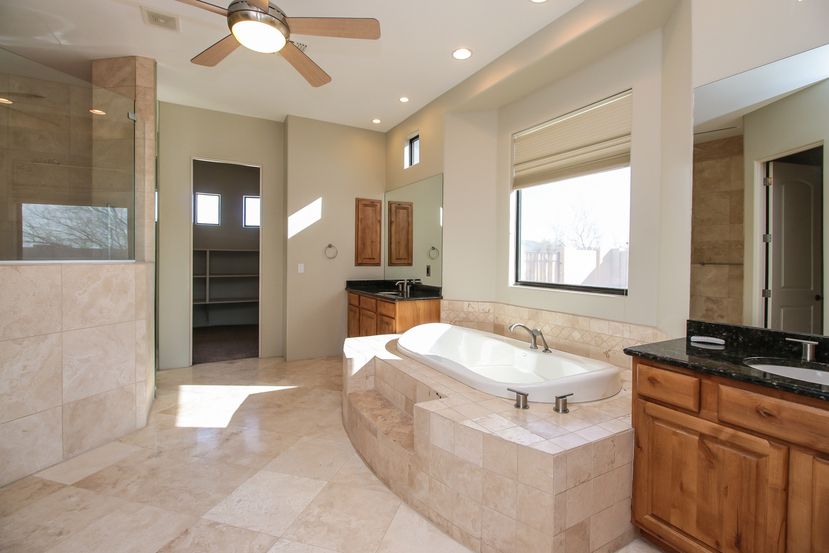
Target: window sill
<point>587,290</point>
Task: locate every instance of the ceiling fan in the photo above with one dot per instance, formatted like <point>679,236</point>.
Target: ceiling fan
<point>263,27</point>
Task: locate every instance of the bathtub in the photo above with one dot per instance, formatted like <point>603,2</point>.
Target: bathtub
<point>492,363</point>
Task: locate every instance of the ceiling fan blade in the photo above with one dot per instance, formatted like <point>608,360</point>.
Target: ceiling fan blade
<point>217,52</point>
<point>312,72</point>
<point>341,27</point>
<point>206,6</point>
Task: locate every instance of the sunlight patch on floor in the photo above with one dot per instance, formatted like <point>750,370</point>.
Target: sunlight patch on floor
<point>202,406</point>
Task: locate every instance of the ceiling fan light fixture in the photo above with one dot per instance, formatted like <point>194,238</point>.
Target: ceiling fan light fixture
<point>257,31</point>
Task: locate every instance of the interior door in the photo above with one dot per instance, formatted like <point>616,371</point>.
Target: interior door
<point>795,263</point>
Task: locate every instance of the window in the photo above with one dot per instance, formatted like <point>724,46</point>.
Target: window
<point>574,233</point>
<point>250,211</point>
<point>411,152</point>
<point>571,177</point>
<point>208,209</point>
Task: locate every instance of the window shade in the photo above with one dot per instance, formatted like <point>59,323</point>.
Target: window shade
<point>593,138</point>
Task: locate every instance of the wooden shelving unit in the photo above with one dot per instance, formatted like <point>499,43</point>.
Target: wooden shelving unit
<point>225,287</point>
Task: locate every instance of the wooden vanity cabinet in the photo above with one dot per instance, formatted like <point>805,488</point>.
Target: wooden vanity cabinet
<point>368,316</point>
<point>724,466</point>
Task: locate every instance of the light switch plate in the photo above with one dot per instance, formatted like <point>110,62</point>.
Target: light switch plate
<point>300,268</point>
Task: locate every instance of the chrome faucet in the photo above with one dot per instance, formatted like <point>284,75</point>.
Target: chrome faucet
<point>405,286</point>
<point>535,334</point>
<point>809,348</point>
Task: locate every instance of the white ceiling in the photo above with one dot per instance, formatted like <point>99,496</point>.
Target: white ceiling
<point>413,57</point>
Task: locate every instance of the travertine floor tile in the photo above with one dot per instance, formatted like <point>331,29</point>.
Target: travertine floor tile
<point>269,502</point>
<point>207,536</point>
<point>24,492</point>
<point>88,463</point>
<point>344,518</point>
<point>312,458</point>
<point>285,546</point>
<point>411,533</point>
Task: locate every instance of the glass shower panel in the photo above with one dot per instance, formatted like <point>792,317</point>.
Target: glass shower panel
<point>67,166</point>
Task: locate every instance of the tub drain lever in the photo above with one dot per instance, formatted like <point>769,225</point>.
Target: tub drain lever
<point>561,404</point>
<point>520,399</point>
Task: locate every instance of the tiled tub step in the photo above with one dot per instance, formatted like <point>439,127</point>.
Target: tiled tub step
<point>383,417</point>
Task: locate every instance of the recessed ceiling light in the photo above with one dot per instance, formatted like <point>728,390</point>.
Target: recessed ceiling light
<point>462,54</point>
<point>376,121</point>
<point>404,99</point>
<point>6,101</point>
<point>538,1</point>
<point>94,111</point>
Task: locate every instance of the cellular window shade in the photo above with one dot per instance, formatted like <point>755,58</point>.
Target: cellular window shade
<point>593,138</point>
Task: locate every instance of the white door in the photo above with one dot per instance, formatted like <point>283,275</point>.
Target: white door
<point>796,249</point>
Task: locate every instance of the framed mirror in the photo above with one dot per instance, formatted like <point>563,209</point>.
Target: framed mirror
<point>760,245</point>
<point>414,232</point>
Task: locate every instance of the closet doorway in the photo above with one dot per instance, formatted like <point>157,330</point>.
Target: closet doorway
<point>226,245</point>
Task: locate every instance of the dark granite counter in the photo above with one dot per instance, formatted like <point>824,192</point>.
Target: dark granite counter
<point>727,362</point>
<point>375,288</point>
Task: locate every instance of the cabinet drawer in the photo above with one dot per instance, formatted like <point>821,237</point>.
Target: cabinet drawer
<point>353,299</point>
<point>669,387</point>
<point>368,303</point>
<point>795,423</point>
<point>386,309</point>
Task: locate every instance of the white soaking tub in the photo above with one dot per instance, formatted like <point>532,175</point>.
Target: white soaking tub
<point>492,363</point>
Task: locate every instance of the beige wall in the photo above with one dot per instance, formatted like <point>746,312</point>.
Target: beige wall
<point>717,232</point>
<point>781,128</point>
<point>469,205</point>
<point>638,66</point>
<point>738,35</point>
<point>189,133</point>
<point>337,164</point>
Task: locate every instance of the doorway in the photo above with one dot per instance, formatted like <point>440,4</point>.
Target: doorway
<point>793,241</point>
<point>226,245</point>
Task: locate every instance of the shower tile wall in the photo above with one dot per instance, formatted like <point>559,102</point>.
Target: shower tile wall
<point>75,359</point>
<point>717,231</point>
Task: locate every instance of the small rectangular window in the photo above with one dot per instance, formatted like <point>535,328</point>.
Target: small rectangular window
<point>411,152</point>
<point>208,209</point>
<point>574,233</point>
<point>251,211</point>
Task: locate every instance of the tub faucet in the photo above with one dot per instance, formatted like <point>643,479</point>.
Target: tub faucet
<point>535,334</point>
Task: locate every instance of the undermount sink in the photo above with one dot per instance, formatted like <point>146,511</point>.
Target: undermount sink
<point>390,294</point>
<point>816,373</point>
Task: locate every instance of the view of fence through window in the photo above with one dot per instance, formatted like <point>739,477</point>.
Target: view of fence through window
<point>576,232</point>
<point>69,153</point>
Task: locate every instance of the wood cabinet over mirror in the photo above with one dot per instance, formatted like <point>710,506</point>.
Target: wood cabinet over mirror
<point>367,232</point>
<point>401,233</point>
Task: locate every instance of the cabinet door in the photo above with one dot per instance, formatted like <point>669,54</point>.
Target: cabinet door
<point>367,229</point>
<point>700,486</point>
<point>401,234</point>
<point>808,503</point>
<point>368,323</point>
<point>353,321</point>
<point>385,325</point>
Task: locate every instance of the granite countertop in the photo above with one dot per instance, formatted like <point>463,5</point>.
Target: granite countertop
<point>374,287</point>
<point>727,363</point>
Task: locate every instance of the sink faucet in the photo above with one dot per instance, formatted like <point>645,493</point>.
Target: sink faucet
<point>809,347</point>
<point>535,334</point>
<point>405,286</point>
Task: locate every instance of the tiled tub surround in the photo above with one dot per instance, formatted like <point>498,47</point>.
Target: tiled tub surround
<point>497,479</point>
<point>586,336</point>
<point>76,360</point>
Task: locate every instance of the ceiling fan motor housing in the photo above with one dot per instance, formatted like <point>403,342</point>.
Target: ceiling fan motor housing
<point>242,10</point>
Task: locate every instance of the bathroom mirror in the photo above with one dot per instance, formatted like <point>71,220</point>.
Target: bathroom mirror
<point>759,244</point>
<point>413,231</point>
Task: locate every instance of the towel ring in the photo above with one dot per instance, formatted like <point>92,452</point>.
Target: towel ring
<point>331,251</point>
<point>434,253</point>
